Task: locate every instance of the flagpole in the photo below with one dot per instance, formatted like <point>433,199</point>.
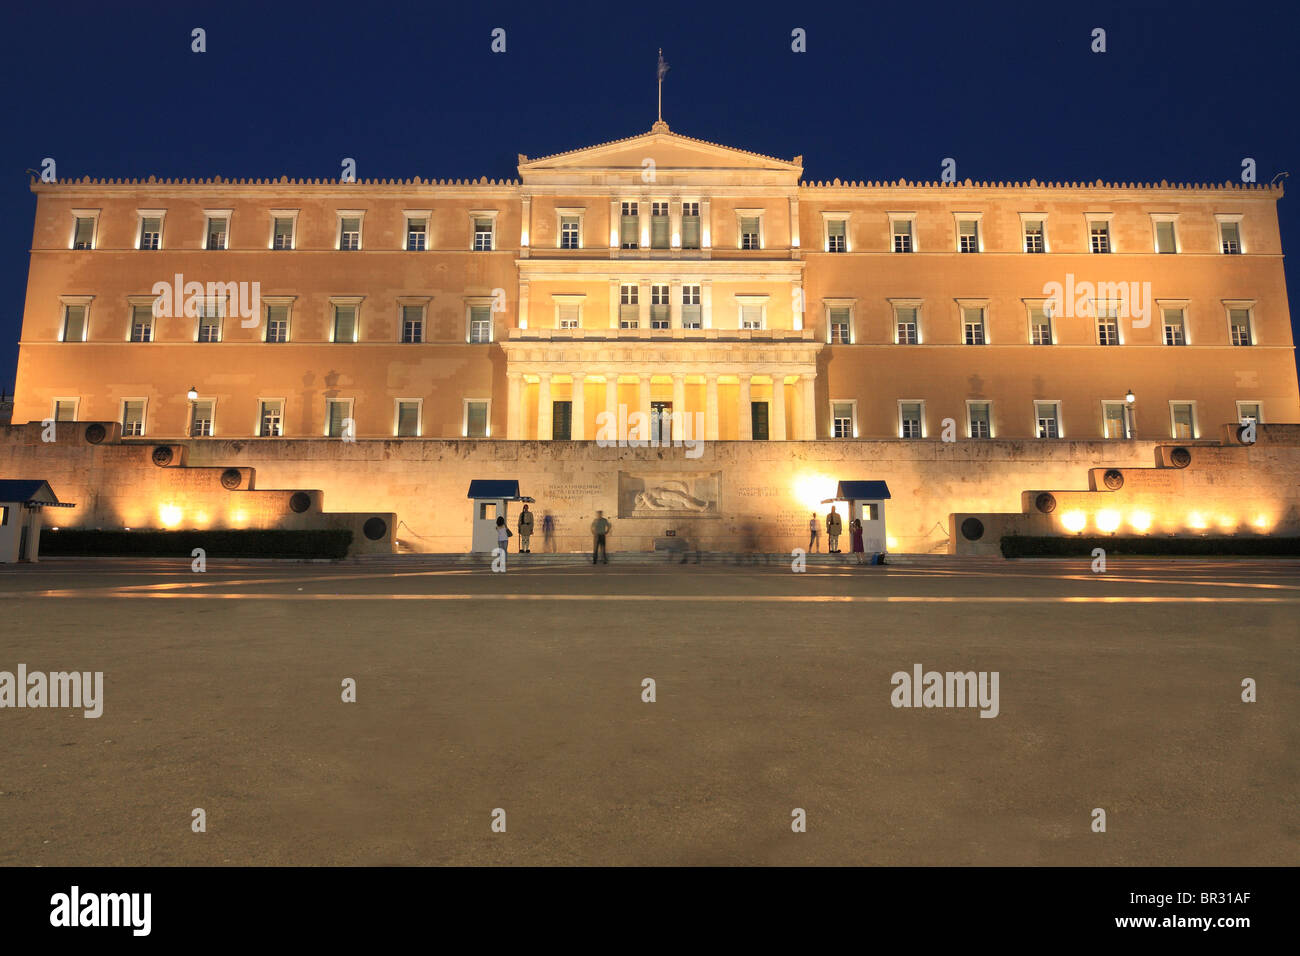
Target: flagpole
<point>660,75</point>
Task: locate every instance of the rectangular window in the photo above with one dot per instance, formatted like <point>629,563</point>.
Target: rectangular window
<point>480,324</point>
<point>909,419</point>
<point>902,235</point>
<point>1175,327</point>
<point>1241,333</point>
<point>1040,327</point>
<point>1183,415</point>
<point>629,226</point>
<point>1034,237</point>
<point>1107,325</point>
<point>562,421</point>
<point>417,235</point>
<point>141,323</point>
<point>277,323</point>
<point>150,232</point>
<point>836,235</point>
<point>133,417</point>
<point>690,225</point>
<point>412,324</point>
<point>839,319</point>
<point>283,235</point>
<point>629,307</point>
<point>210,322</point>
<point>659,317</point>
<point>842,419</point>
<point>758,421</point>
<point>1113,420</point>
<point>74,323</point>
<point>968,239</point>
<point>1229,238</point>
<point>749,236</point>
<point>350,233</point>
<point>570,233</point>
<point>905,326</point>
<point>1248,412</point>
<point>1099,235</point>
<point>972,326</point>
<point>83,236</point>
<point>271,419</point>
<point>482,234</point>
<point>408,419</point>
<point>1049,419</point>
<point>345,323</point>
<point>65,410</point>
<point>659,232</point>
<point>476,419</point>
<point>201,419</point>
<point>217,233</point>
<point>568,316</point>
<point>692,314</point>
<point>338,418</point>
<point>751,316</point>
<point>1165,238</point>
<point>979,419</point>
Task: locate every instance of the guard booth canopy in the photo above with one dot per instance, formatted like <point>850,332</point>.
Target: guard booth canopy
<point>866,501</point>
<point>21,504</point>
<point>491,497</point>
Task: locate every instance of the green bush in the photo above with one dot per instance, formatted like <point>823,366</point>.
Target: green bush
<point>76,542</point>
<point>1025,546</point>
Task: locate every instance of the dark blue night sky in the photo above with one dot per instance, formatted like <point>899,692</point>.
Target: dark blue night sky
<point>1011,91</point>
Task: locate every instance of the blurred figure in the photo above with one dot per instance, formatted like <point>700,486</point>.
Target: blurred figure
<point>814,534</point>
<point>599,529</point>
<point>855,537</point>
<point>548,532</point>
<point>503,536</point>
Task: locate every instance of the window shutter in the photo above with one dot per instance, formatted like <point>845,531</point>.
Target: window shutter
<point>408,419</point>
<point>85,234</point>
<point>476,419</point>
<point>75,329</point>
<point>836,227</point>
<point>345,323</point>
<point>659,231</point>
<point>690,232</point>
<point>568,315</point>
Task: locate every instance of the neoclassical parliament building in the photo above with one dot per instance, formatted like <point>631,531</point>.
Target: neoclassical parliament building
<point>661,273</point>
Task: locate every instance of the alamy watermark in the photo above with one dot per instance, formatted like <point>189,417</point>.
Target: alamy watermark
<point>76,689</point>
<point>948,689</point>
<point>622,429</point>
<point>180,298</point>
<point>1122,300</point>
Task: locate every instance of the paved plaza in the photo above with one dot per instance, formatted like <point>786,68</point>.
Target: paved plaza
<point>523,691</point>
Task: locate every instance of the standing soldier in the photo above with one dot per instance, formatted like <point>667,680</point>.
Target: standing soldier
<point>833,527</point>
<point>525,530</point>
<point>599,528</point>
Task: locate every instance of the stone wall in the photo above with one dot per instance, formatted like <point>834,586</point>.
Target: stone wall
<point>772,486</point>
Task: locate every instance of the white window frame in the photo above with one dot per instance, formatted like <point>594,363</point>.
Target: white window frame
<point>841,303</point>
<point>76,407</point>
<point>407,216</point>
<point>419,416</point>
<point>292,216</point>
<point>93,216</point>
<point>223,309</point>
<point>1259,405</point>
<point>743,300</point>
<point>141,216</point>
<point>464,418</point>
<point>346,300</point>
<point>360,216</point>
<point>1058,418</point>
<point>413,302</point>
<point>1229,305</point>
<point>962,306</point>
<point>1237,219</point>
<point>570,212</point>
<point>278,300</point>
<point>1196,420</point>
<point>898,417</point>
<point>134,302</point>
<point>1097,319</point>
<point>1025,219</point>
<point>257,425</point>
<point>1171,305</point>
<point>578,299</point>
<point>853,421</point>
<point>144,415</point>
<point>489,214</point>
<point>894,306</point>
<point>1108,218</point>
<point>212,422</point>
<point>471,303</point>
<point>1041,306</point>
<point>910,218</point>
<point>351,404</point>
<point>1124,414</point>
<point>208,216</point>
<point>978,219</point>
<point>751,213</point>
<point>844,217</point>
<point>969,431</point>
<point>81,300</point>
<point>1170,217</point>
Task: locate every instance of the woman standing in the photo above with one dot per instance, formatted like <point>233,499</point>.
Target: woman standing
<point>855,534</point>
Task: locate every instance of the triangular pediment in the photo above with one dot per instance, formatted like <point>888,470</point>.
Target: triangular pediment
<point>668,150</point>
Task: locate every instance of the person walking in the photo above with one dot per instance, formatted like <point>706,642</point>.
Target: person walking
<point>855,539</point>
<point>814,534</point>
<point>599,529</point>
<point>548,533</point>
<point>525,530</point>
<point>833,528</point>
<point>503,536</point>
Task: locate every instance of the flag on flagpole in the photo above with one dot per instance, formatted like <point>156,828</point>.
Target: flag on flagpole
<point>663,66</point>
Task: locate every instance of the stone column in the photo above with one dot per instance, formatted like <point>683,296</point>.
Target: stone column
<point>544,406</point>
<point>744,419</point>
<point>525,227</point>
<point>611,396</point>
<point>615,227</point>
<point>643,400</point>
<point>679,405</point>
<point>711,407</point>
<point>675,225</point>
<point>706,225</point>
<point>675,303</point>
<point>776,424</point>
<point>808,385</point>
<point>514,405</point>
<point>579,432</point>
<point>613,303</point>
<point>794,222</point>
<point>523,305</point>
<point>643,304</point>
